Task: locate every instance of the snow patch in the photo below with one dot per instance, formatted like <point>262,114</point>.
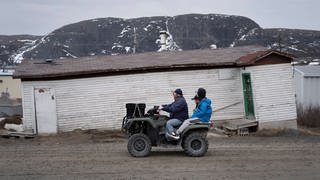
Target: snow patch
<point>243,37</point>
<point>213,46</point>
<point>116,45</point>
<point>232,44</point>
<point>68,54</point>
<point>294,48</point>
<point>124,31</point>
<point>25,40</point>
<point>128,49</point>
<point>314,63</point>
<point>250,33</point>
<point>18,56</point>
<point>147,27</point>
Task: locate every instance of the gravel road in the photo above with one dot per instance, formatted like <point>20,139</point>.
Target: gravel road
<point>84,156</point>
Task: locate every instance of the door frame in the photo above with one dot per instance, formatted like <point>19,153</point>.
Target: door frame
<point>249,115</point>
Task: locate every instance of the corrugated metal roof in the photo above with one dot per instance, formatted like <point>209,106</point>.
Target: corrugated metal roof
<point>139,62</point>
<point>308,71</point>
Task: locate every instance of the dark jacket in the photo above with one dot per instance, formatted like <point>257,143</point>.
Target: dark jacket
<point>178,109</point>
<point>203,110</point>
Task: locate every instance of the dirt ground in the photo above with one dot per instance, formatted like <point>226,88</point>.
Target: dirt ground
<point>95,155</point>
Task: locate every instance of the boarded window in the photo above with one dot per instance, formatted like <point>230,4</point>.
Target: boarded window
<point>225,74</point>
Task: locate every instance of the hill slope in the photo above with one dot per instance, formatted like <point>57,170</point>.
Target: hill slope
<point>111,36</point>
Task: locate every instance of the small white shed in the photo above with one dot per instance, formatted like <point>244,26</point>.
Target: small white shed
<point>307,85</point>
<point>91,92</point>
<point>307,88</point>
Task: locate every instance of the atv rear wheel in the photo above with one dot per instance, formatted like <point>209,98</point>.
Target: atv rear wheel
<point>195,144</point>
<point>139,145</point>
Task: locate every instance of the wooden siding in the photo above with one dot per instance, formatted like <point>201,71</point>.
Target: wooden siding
<point>99,102</point>
<point>273,92</point>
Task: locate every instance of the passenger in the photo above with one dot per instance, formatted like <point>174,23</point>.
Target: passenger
<point>178,113</point>
<point>202,112</point>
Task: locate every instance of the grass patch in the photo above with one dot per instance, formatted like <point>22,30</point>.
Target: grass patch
<point>308,116</point>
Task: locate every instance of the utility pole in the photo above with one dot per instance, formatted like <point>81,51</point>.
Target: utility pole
<point>134,40</point>
<point>280,42</point>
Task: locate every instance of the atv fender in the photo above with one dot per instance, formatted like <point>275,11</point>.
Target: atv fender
<point>145,119</point>
<point>196,127</point>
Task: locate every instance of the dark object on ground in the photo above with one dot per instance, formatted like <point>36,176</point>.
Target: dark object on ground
<point>10,120</point>
<point>145,132</point>
<point>17,135</point>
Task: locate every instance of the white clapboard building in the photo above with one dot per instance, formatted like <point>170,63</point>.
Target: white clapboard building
<point>91,92</point>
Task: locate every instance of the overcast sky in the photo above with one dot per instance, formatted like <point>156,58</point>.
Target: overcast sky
<point>40,17</point>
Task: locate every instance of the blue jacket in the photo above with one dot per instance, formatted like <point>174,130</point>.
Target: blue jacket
<point>203,111</point>
<point>178,109</point>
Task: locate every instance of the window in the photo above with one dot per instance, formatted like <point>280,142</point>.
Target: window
<point>225,74</point>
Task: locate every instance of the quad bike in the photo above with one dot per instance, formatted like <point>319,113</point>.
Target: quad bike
<point>147,130</point>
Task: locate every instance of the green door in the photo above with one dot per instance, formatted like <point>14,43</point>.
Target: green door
<point>247,94</point>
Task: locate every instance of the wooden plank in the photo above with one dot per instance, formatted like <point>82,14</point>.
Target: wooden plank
<point>8,134</point>
<point>234,125</point>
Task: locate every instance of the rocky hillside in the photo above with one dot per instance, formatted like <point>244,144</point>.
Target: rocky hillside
<point>112,36</point>
<point>304,44</point>
<point>10,45</point>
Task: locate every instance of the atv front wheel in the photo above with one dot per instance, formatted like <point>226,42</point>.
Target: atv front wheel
<point>139,145</point>
<point>195,144</point>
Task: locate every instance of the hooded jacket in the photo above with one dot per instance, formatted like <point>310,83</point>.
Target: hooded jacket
<point>178,109</point>
<point>203,110</point>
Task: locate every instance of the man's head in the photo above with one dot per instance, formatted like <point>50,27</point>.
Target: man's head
<point>201,93</point>
<point>177,93</point>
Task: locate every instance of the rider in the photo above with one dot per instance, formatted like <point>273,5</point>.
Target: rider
<point>178,113</point>
<point>202,112</point>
